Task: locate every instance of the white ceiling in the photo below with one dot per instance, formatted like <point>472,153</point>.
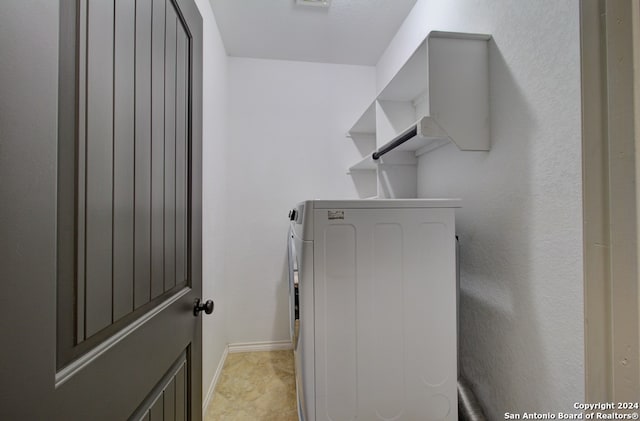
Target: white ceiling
<point>348,32</point>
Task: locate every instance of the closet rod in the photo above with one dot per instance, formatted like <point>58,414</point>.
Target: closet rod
<point>413,131</point>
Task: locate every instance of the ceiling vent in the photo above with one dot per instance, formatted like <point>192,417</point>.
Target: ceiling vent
<point>314,3</point>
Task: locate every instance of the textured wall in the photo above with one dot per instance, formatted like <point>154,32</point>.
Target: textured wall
<point>521,222</point>
<point>214,141</point>
<point>287,125</point>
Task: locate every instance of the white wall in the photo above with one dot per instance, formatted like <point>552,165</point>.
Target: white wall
<point>521,223</point>
<point>287,125</point>
<point>214,139</point>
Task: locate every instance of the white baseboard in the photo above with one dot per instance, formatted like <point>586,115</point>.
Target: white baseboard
<point>260,346</point>
<point>214,382</point>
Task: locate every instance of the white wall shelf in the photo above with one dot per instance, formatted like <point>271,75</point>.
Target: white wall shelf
<point>366,164</point>
<point>366,124</point>
<point>441,92</point>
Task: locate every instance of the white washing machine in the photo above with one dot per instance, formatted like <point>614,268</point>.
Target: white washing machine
<point>374,325</point>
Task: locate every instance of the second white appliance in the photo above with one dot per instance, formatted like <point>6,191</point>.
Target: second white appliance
<point>376,284</point>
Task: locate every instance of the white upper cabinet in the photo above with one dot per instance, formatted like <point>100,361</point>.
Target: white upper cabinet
<point>440,95</point>
<point>447,80</point>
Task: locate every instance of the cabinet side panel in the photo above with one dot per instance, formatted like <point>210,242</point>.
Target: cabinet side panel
<point>336,349</point>
<point>459,90</point>
<point>386,326</point>
<point>305,353</point>
<point>430,317</point>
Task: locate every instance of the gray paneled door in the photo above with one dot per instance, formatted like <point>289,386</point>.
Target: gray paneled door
<point>100,209</point>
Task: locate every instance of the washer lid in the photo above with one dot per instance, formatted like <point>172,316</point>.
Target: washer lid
<point>386,203</point>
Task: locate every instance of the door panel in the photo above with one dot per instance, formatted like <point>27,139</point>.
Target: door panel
<point>170,110</point>
<point>98,171</point>
<point>167,400</point>
<point>105,277</point>
<point>181,395</point>
<point>142,219</point>
<point>156,410</point>
<point>158,8</point>
<point>101,215</point>
<point>124,158</point>
<point>181,152</point>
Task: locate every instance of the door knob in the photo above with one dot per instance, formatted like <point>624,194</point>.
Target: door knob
<point>198,307</point>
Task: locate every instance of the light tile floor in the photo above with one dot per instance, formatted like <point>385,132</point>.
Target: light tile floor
<point>255,386</point>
